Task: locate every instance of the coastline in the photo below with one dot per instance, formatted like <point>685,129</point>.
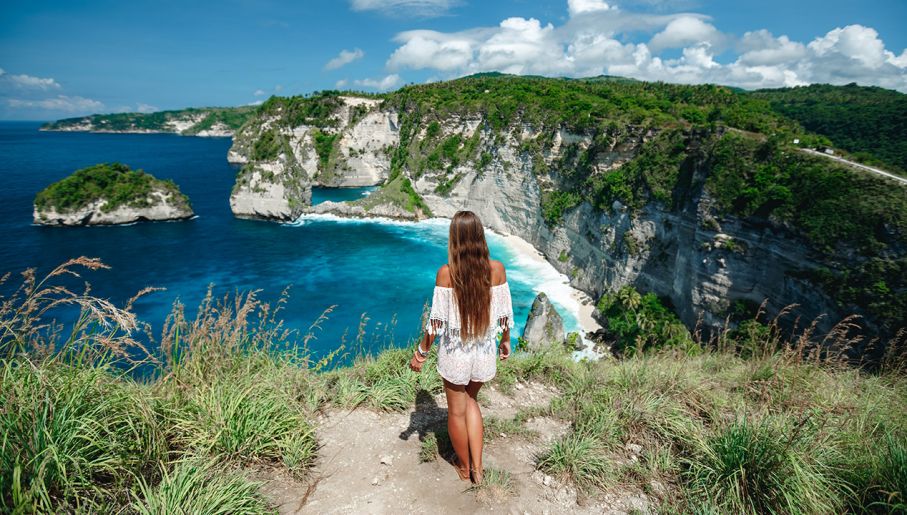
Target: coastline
<point>577,301</point>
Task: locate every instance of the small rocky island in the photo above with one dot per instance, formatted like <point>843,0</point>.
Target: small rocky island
<point>110,194</point>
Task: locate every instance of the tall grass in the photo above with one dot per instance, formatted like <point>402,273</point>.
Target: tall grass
<point>764,434</point>
<point>82,432</point>
<point>196,487</point>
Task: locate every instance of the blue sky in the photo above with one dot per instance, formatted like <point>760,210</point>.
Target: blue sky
<point>68,58</point>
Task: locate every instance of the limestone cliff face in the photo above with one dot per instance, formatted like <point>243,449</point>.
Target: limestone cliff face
<point>351,150</point>
<point>161,205</point>
<point>702,264</point>
<point>700,261</point>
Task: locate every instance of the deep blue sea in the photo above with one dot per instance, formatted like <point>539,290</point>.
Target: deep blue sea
<point>384,270</point>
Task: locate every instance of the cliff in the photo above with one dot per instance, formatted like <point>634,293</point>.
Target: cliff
<point>109,194</point>
<point>211,122</point>
<point>329,140</point>
<point>673,189</point>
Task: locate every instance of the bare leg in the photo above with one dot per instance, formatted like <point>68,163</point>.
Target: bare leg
<point>475,429</point>
<point>456,425</point>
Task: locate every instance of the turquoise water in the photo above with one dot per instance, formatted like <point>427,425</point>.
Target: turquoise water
<point>320,195</point>
<point>382,270</point>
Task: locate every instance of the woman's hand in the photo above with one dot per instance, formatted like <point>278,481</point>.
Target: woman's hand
<point>505,349</point>
<point>414,364</point>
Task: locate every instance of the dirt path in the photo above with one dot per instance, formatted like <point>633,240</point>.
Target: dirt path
<point>369,462</point>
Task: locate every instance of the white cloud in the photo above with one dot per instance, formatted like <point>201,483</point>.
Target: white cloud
<point>684,31</point>
<point>259,92</point>
<point>430,49</point>
<point>417,8</point>
<point>59,103</point>
<point>340,84</point>
<point>760,48</point>
<point>145,108</point>
<point>384,84</point>
<point>575,7</point>
<point>28,82</point>
<point>344,58</point>
<point>597,40</point>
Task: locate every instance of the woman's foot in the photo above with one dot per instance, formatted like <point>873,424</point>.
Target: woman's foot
<point>477,476</point>
<point>462,470</point>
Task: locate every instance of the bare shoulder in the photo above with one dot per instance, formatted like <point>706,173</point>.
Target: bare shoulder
<point>498,273</point>
<point>443,277</point>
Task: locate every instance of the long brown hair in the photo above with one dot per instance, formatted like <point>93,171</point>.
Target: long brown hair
<point>470,273</point>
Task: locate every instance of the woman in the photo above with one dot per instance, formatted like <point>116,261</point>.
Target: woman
<point>470,307</point>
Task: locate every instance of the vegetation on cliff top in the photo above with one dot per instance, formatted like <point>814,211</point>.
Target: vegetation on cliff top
<point>583,104</point>
<point>759,421</point>
<point>114,183</point>
<point>869,122</point>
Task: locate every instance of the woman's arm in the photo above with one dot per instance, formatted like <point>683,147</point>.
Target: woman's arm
<point>425,346</point>
<point>505,344</point>
<point>442,279</point>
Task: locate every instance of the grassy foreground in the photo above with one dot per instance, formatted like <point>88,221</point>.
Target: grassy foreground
<point>82,431</point>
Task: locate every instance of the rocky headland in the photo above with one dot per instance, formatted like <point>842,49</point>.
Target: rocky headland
<point>203,122</point>
<point>110,194</point>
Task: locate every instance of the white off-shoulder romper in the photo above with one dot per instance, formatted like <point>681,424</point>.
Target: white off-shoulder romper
<point>463,361</point>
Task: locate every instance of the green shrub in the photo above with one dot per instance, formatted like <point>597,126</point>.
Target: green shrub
<point>639,323</point>
<point>196,487</point>
<point>113,182</point>
<point>577,458</point>
<point>243,417</point>
<point>72,436</point>
<point>763,467</point>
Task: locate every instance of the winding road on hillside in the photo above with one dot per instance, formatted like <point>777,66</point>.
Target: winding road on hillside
<point>856,165</point>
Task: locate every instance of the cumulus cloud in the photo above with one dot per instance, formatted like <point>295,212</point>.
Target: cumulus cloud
<point>684,31</point>
<point>142,107</point>
<point>383,84</point>
<point>340,84</point>
<point>344,58</point>
<point>597,39</point>
<point>417,8</point>
<point>65,103</point>
<point>259,92</point>
<point>23,81</point>
<point>575,7</point>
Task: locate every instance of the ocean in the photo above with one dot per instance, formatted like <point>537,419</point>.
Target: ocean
<point>381,270</point>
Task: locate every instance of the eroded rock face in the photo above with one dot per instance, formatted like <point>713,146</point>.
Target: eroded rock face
<point>271,190</point>
<point>163,206</point>
<point>680,252</point>
<point>544,326</point>
<point>359,138</point>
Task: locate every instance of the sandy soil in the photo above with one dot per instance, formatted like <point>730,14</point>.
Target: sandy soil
<point>369,463</point>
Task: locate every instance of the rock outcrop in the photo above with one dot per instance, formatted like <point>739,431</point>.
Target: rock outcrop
<point>163,208</point>
<point>544,325</point>
<point>110,194</point>
<point>348,148</point>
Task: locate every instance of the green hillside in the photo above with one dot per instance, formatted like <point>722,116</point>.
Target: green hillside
<point>868,122</point>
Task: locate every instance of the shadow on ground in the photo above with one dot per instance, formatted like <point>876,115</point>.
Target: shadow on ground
<point>429,422</point>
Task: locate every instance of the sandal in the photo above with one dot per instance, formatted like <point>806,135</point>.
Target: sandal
<point>477,477</point>
<point>463,472</point>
